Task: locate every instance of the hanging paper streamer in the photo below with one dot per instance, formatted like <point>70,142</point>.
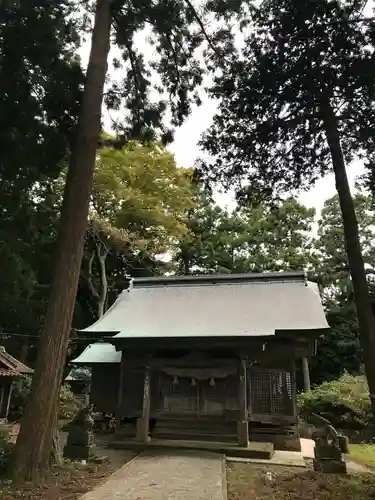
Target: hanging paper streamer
<point>175,380</point>
<point>193,382</point>
<point>212,382</point>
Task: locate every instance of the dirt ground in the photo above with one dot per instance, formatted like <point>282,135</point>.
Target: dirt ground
<point>251,482</point>
<point>73,480</point>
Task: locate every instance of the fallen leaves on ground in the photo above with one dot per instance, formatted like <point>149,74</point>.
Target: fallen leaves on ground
<point>67,483</point>
<point>251,482</point>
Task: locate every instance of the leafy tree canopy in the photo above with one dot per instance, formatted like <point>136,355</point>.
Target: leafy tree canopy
<point>247,240</point>
<point>269,131</point>
<point>140,197</point>
<point>40,90</point>
<point>332,260</point>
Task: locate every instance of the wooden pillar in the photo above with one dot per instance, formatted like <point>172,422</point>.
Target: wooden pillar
<point>143,423</point>
<point>306,375</point>
<point>2,393</point>
<point>120,394</point>
<point>9,399</point>
<point>243,421</point>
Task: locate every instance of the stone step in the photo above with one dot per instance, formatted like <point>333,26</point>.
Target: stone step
<point>260,451</point>
<point>199,424</point>
<point>191,435</point>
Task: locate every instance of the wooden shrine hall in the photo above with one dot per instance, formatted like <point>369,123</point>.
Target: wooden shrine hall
<point>206,357</point>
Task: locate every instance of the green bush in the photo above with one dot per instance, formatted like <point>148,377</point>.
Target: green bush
<point>68,405</point>
<point>21,391</point>
<point>5,450</point>
<point>344,402</point>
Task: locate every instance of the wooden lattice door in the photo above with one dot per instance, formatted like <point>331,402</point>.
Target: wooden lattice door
<point>181,396</point>
<point>271,392</point>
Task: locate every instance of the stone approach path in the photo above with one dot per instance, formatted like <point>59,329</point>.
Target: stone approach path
<point>161,476</point>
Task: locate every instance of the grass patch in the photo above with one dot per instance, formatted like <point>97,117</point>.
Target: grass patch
<point>363,454</point>
<point>252,482</point>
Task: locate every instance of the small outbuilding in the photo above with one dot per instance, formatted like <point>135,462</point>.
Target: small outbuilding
<point>10,369</point>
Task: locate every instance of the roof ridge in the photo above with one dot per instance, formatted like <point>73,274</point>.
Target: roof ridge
<point>213,279</point>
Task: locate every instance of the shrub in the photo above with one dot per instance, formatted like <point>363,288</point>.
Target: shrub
<point>5,450</point>
<point>68,405</point>
<point>21,391</point>
<point>344,402</point>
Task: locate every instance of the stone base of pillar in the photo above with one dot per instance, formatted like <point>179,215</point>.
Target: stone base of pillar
<point>330,466</point>
<point>243,433</point>
<point>142,430</point>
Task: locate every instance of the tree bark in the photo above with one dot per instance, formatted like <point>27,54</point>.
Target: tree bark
<point>34,444</point>
<point>101,296</point>
<point>366,318</point>
<point>102,256</point>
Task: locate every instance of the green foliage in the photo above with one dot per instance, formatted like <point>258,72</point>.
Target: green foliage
<point>40,90</point>
<point>332,263</point>
<point>139,207</point>
<point>297,58</point>
<point>338,350</point>
<point>5,450</point>
<point>344,402</point>
<point>251,239</point>
<point>68,406</point>
<point>165,87</point>
<point>140,197</point>
<point>363,454</point>
<point>21,392</point>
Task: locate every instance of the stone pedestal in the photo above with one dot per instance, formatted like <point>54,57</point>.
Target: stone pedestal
<point>328,459</point>
<point>243,433</point>
<point>330,466</point>
<point>327,452</point>
<point>79,445</point>
<point>79,452</point>
<point>143,430</point>
<point>344,444</point>
<point>80,442</point>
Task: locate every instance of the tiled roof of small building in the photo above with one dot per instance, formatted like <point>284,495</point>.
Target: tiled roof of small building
<point>10,366</point>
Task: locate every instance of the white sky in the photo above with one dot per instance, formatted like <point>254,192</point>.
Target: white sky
<point>185,145</point>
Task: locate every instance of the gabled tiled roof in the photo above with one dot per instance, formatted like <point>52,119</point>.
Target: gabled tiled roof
<point>10,366</point>
<point>250,305</point>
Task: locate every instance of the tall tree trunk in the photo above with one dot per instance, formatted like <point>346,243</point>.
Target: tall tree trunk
<point>366,318</point>
<point>34,444</point>
<point>102,256</point>
<point>99,293</point>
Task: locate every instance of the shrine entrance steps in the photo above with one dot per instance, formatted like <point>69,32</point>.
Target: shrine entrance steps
<point>261,451</point>
<point>201,429</point>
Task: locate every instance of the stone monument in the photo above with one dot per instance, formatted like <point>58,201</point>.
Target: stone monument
<point>329,447</point>
<point>80,442</point>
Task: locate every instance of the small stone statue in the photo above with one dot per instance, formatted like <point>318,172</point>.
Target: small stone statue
<point>329,446</point>
<point>80,442</point>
